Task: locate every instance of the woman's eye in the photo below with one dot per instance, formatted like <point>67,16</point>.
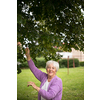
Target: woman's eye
<point>48,67</point>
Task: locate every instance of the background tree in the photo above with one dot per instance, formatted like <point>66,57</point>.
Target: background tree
<point>43,24</point>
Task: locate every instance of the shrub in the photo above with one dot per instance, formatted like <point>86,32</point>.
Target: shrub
<point>82,63</point>
<point>63,63</point>
<point>40,63</point>
<point>77,64</point>
<point>24,65</point>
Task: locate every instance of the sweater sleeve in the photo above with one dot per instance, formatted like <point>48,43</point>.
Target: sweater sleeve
<point>53,91</point>
<point>38,73</point>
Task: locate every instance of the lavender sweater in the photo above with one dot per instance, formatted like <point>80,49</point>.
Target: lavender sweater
<point>54,91</point>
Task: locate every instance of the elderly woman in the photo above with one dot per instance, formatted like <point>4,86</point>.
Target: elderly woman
<point>51,85</point>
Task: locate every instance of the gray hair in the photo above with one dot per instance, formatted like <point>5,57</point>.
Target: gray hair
<point>55,64</point>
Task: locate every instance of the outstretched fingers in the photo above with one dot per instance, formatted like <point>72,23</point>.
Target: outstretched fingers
<point>30,83</point>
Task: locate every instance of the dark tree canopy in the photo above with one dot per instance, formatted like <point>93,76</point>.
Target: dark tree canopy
<point>43,24</point>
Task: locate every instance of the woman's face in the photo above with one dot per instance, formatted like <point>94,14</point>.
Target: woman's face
<point>51,70</point>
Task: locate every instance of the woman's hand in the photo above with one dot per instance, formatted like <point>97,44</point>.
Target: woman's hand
<point>27,53</point>
<point>33,85</point>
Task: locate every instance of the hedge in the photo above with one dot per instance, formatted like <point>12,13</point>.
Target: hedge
<point>24,65</point>
<point>82,63</point>
<point>63,63</point>
<point>38,64</point>
<point>41,63</point>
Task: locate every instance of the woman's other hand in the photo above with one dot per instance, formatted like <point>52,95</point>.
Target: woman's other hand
<point>33,85</point>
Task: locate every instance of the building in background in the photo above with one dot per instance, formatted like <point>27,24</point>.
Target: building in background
<point>74,54</point>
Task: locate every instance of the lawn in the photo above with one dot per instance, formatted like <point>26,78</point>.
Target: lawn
<point>73,84</point>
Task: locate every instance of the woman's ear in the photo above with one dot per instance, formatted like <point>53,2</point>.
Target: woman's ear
<point>56,70</point>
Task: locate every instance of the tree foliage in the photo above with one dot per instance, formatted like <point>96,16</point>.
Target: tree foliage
<point>43,24</point>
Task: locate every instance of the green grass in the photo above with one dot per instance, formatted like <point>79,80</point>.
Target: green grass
<point>73,84</point>
<point>40,58</point>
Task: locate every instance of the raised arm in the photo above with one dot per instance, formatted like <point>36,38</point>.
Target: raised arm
<point>38,73</point>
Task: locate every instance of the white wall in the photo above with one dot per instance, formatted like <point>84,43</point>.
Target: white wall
<point>65,54</point>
